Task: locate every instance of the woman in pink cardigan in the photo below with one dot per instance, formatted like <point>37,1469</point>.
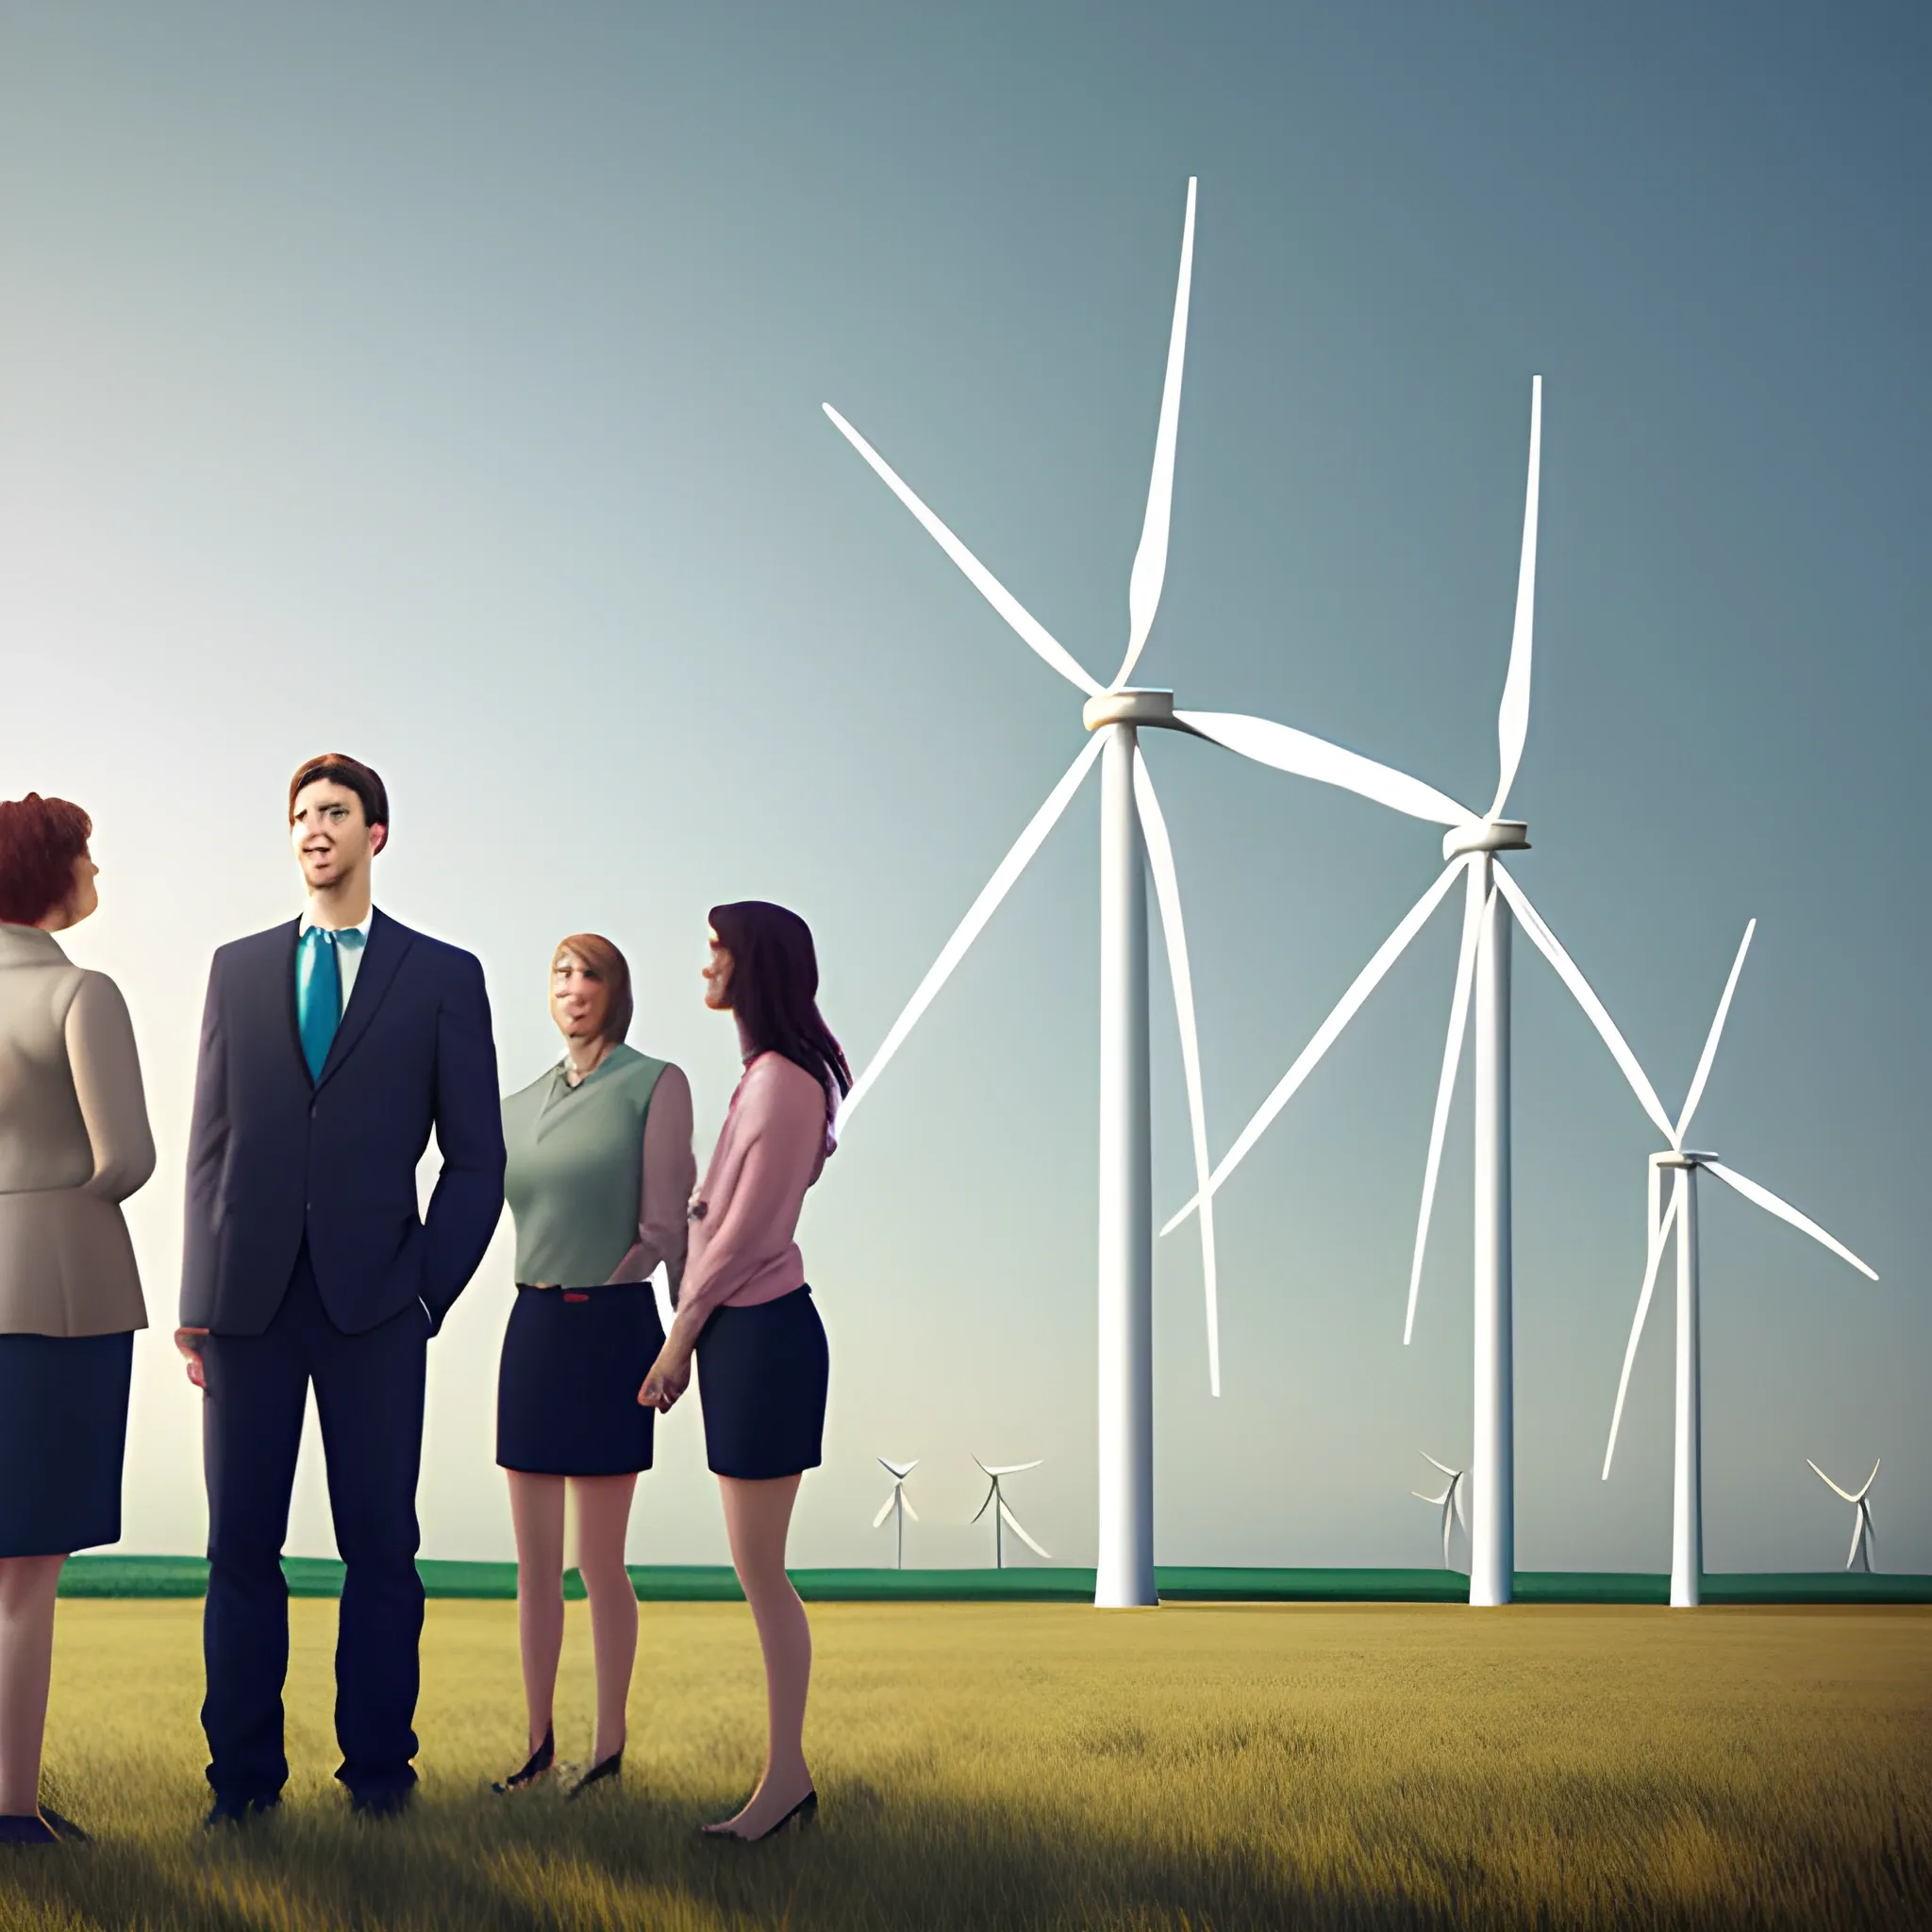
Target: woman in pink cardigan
<point>746,1312</point>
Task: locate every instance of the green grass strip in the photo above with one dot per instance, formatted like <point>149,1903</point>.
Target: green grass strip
<point>315,1577</point>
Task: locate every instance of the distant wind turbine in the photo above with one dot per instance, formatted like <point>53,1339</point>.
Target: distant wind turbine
<point>1864,1533</point>
<point>1686,1489</point>
<point>1449,1502</point>
<point>998,1502</point>
<point>898,1504</point>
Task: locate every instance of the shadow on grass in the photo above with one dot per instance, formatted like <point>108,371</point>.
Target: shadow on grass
<point>632,1860</point>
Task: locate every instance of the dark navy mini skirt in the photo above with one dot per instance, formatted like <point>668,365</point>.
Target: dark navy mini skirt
<point>63,1431</point>
<point>574,1360</point>
<point>762,1373</point>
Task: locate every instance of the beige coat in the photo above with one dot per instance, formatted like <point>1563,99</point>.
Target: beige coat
<point>73,1144</point>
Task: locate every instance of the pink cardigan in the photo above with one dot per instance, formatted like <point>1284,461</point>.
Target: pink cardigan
<point>745,1212</point>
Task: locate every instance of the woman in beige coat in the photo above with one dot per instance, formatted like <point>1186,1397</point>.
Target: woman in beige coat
<point>73,1144</point>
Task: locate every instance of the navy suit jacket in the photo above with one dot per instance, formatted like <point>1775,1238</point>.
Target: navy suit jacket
<point>275,1155</point>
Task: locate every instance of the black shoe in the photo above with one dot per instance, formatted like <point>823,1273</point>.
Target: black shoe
<point>65,1829</point>
<point>805,1814</point>
<point>612,1767</point>
<point>540,1759</point>
<point>388,1801</point>
<point>233,1809</point>
<point>31,1829</point>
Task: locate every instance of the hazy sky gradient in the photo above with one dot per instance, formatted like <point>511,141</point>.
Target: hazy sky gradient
<point>442,383</point>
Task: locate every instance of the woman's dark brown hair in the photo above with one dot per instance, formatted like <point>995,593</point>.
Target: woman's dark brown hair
<point>602,961</point>
<point>774,987</point>
<point>39,839</point>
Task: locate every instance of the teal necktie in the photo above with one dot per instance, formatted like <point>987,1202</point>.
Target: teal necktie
<point>319,993</point>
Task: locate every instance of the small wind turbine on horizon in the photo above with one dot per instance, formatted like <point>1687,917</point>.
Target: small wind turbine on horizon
<point>1000,1514</point>
<point>1472,849</point>
<point>1449,1502</point>
<point>1686,1487</point>
<point>898,1504</point>
<point>1864,1532</point>
<point>1133,841</point>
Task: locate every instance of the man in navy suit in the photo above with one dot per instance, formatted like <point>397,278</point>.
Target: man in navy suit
<point>330,1047</point>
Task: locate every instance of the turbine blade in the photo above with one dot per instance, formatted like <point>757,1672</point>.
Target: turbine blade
<point>1029,627</point>
<point>1828,1483</point>
<point>1868,1481</point>
<point>1512,717</point>
<point>1289,750</point>
<point>969,928</point>
<point>1167,891</point>
<point>1013,1523</point>
<point>1715,1033</point>
<point>1150,560</point>
<point>1585,995</point>
<point>885,1510</point>
<point>910,1509</point>
<point>1445,1086</point>
<point>1785,1211</point>
<point>1012,1468</point>
<point>1434,1464</point>
<point>981,1511</point>
<point>1325,1036</point>
<point>1659,1239</point>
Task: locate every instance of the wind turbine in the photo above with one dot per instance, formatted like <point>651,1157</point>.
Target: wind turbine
<point>1471,847</point>
<point>897,1503</point>
<point>1133,840</point>
<point>998,1502</point>
<point>1686,1506</point>
<point>1449,1502</point>
<point>1864,1533</point>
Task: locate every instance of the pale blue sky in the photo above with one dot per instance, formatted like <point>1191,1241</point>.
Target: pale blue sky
<point>442,383</point>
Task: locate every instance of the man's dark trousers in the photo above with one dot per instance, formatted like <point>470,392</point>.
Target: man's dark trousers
<point>369,1399</point>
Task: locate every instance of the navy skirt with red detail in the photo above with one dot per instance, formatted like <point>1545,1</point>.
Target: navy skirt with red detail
<point>574,1360</point>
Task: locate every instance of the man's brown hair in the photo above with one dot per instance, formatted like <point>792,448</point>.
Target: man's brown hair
<point>601,960</point>
<point>347,772</point>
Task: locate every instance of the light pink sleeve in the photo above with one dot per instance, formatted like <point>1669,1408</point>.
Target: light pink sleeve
<point>670,1173</point>
<point>781,1126</point>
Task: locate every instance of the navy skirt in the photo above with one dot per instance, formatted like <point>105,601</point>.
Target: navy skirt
<point>762,1373</point>
<point>574,1360</point>
<point>63,1431</point>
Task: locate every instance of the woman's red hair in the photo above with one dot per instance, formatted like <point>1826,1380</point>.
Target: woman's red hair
<point>39,839</point>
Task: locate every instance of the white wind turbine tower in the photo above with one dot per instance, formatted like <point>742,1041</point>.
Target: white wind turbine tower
<point>998,1502</point>
<point>1449,1502</point>
<point>1863,1532</point>
<point>1686,1489</point>
<point>1133,840</point>
<point>1473,847</point>
<point>898,1504</point>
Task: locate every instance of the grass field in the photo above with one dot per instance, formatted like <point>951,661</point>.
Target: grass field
<point>1043,1765</point>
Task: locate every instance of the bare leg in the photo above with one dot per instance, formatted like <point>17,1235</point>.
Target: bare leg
<point>536,1508</point>
<point>758,1516</point>
<point>603,1517</point>
<point>26,1662</point>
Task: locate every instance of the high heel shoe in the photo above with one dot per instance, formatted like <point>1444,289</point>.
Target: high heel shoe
<point>28,1828</point>
<point>65,1829</point>
<point>805,1814</point>
<point>612,1767</point>
<point>540,1759</point>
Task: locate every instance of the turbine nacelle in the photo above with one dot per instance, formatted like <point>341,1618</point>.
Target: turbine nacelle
<point>1150,709</point>
<point>1486,835</point>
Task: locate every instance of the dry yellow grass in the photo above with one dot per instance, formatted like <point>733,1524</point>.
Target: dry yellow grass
<point>1045,1766</point>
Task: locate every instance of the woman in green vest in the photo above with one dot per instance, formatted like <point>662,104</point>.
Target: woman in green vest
<point>599,1178</point>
